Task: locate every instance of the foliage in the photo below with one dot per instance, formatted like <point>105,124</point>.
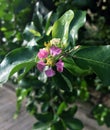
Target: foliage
<point>31,25</point>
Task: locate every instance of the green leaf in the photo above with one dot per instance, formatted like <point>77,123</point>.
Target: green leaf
<point>71,66</point>
<point>69,113</point>
<point>58,126</point>
<point>20,94</point>
<point>48,21</point>
<point>59,82</point>
<point>26,82</point>
<point>74,124</point>
<point>96,58</point>
<point>100,112</point>
<point>61,27</point>
<point>16,60</point>
<point>68,82</point>
<point>19,5</point>
<point>38,18</point>
<point>83,92</point>
<point>107,119</point>
<point>41,126</point>
<point>61,108</point>
<point>76,24</point>
<point>44,117</point>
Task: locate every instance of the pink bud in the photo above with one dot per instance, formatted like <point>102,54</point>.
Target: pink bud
<point>55,51</point>
<point>60,66</point>
<point>50,72</point>
<point>40,66</point>
<point>43,53</point>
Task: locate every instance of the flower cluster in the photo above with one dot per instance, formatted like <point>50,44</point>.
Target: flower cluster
<point>50,56</point>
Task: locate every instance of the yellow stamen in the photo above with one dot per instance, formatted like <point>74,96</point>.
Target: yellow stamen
<point>49,62</point>
<point>47,45</point>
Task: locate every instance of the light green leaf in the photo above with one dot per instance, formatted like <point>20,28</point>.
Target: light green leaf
<point>15,60</point>
<point>61,108</point>
<point>96,58</point>
<point>61,27</point>
<point>76,24</point>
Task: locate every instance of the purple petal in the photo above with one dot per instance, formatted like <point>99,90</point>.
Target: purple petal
<point>55,51</point>
<point>50,72</point>
<point>40,66</point>
<point>60,66</point>
<point>43,53</point>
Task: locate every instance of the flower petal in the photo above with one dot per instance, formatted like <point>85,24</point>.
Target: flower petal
<point>43,53</point>
<point>60,66</point>
<point>40,66</point>
<point>50,72</point>
<point>55,51</point>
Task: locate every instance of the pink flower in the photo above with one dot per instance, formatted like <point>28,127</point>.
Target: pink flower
<point>50,72</point>
<point>55,51</point>
<point>40,66</point>
<point>43,53</point>
<point>60,66</point>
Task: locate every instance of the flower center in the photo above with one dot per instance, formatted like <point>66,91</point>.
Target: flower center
<point>49,62</point>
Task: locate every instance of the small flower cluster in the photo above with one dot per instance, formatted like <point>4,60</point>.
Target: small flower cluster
<point>50,56</point>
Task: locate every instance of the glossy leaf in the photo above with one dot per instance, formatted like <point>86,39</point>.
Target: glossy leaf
<point>76,24</point>
<point>71,66</point>
<point>96,58</point>
<point>60,82</point>
<point>16,60</point>
<point>67,80</point>
<point>41,126</point>
<point>59,126</point>
<point>61,26</point>
<point>44,117</point>
<point>48,21</point>
<point>61,108</point>
<point>38,18</point>
<point>74,124</point>
<point>69,113</point>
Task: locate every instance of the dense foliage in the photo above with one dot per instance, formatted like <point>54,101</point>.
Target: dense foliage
<point>57,54</point>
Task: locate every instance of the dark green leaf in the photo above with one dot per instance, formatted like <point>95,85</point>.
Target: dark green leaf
<point>16,60</point>
<point>100,112</point>
<point>96,58</point>
<point>107,119</point>
<point>44,117</point>
<point>58,126</point>
<point>38,17</point>
<point>76,24</point>
<point>59,82</point>
<point>73,68</point>
<point>74,124</point>
<point>27,83</point>
<point>41,126</point>
<point>69,113</point>
<point>47,20</point>
<point>68,82</point>
<point>19,5</point>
